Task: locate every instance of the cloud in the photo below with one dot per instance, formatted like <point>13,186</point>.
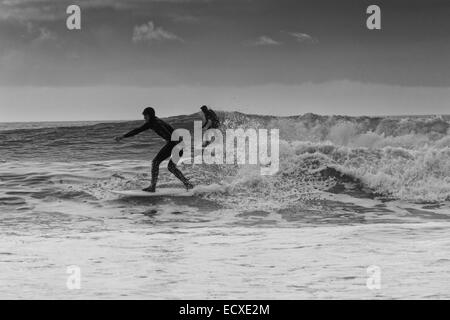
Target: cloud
<point>45,36</point>
<point>35,34</point>
<point>29,13</point>
<point>38,34</point>
<point>53,10</point>
<point>303,37</point>
<point>149,33</point>
<point>265,41</point>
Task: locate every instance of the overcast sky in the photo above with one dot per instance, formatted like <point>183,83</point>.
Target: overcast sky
<point>260,56</point>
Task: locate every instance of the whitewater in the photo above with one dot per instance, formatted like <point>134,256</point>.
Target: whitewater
<point>351,193</point>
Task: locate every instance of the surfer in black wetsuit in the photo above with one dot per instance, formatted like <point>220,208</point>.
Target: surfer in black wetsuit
<point>164,130</point>
<point>211,121</point>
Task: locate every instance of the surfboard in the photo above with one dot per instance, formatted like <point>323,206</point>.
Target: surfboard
<point>160,192</point>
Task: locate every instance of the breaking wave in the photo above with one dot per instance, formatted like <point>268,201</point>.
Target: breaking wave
<point>402,158</point>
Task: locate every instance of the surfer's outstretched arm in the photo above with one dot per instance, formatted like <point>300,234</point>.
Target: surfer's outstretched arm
<point>136,131</point>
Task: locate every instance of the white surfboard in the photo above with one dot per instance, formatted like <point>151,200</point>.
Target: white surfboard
<point>160,192</point>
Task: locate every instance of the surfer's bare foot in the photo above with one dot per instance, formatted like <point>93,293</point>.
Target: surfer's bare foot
<point>150,189</point>
<point>189,186</point>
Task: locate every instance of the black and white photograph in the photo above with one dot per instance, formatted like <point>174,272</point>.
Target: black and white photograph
<point>213,150</point>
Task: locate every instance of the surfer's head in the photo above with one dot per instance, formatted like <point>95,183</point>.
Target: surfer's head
<point>149,113</point>
<point>204,110</point>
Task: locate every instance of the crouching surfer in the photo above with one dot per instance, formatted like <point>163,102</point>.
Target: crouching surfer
<point>164,130</point>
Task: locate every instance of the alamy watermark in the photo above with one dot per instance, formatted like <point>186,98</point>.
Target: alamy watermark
<point>373,282</point>
<point>74,279</point>
<point>249,146</point>
<point>73,21</point>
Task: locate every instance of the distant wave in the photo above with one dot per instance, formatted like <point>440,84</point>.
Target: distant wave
<point>10,126</point>
<point>403,158</point>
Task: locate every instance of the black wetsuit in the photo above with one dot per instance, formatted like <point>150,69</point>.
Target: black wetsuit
<point>215,124</point>
<point>164,130</point>
<point>211,115</point>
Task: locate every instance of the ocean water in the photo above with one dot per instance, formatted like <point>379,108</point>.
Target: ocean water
<point>351,193</point>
